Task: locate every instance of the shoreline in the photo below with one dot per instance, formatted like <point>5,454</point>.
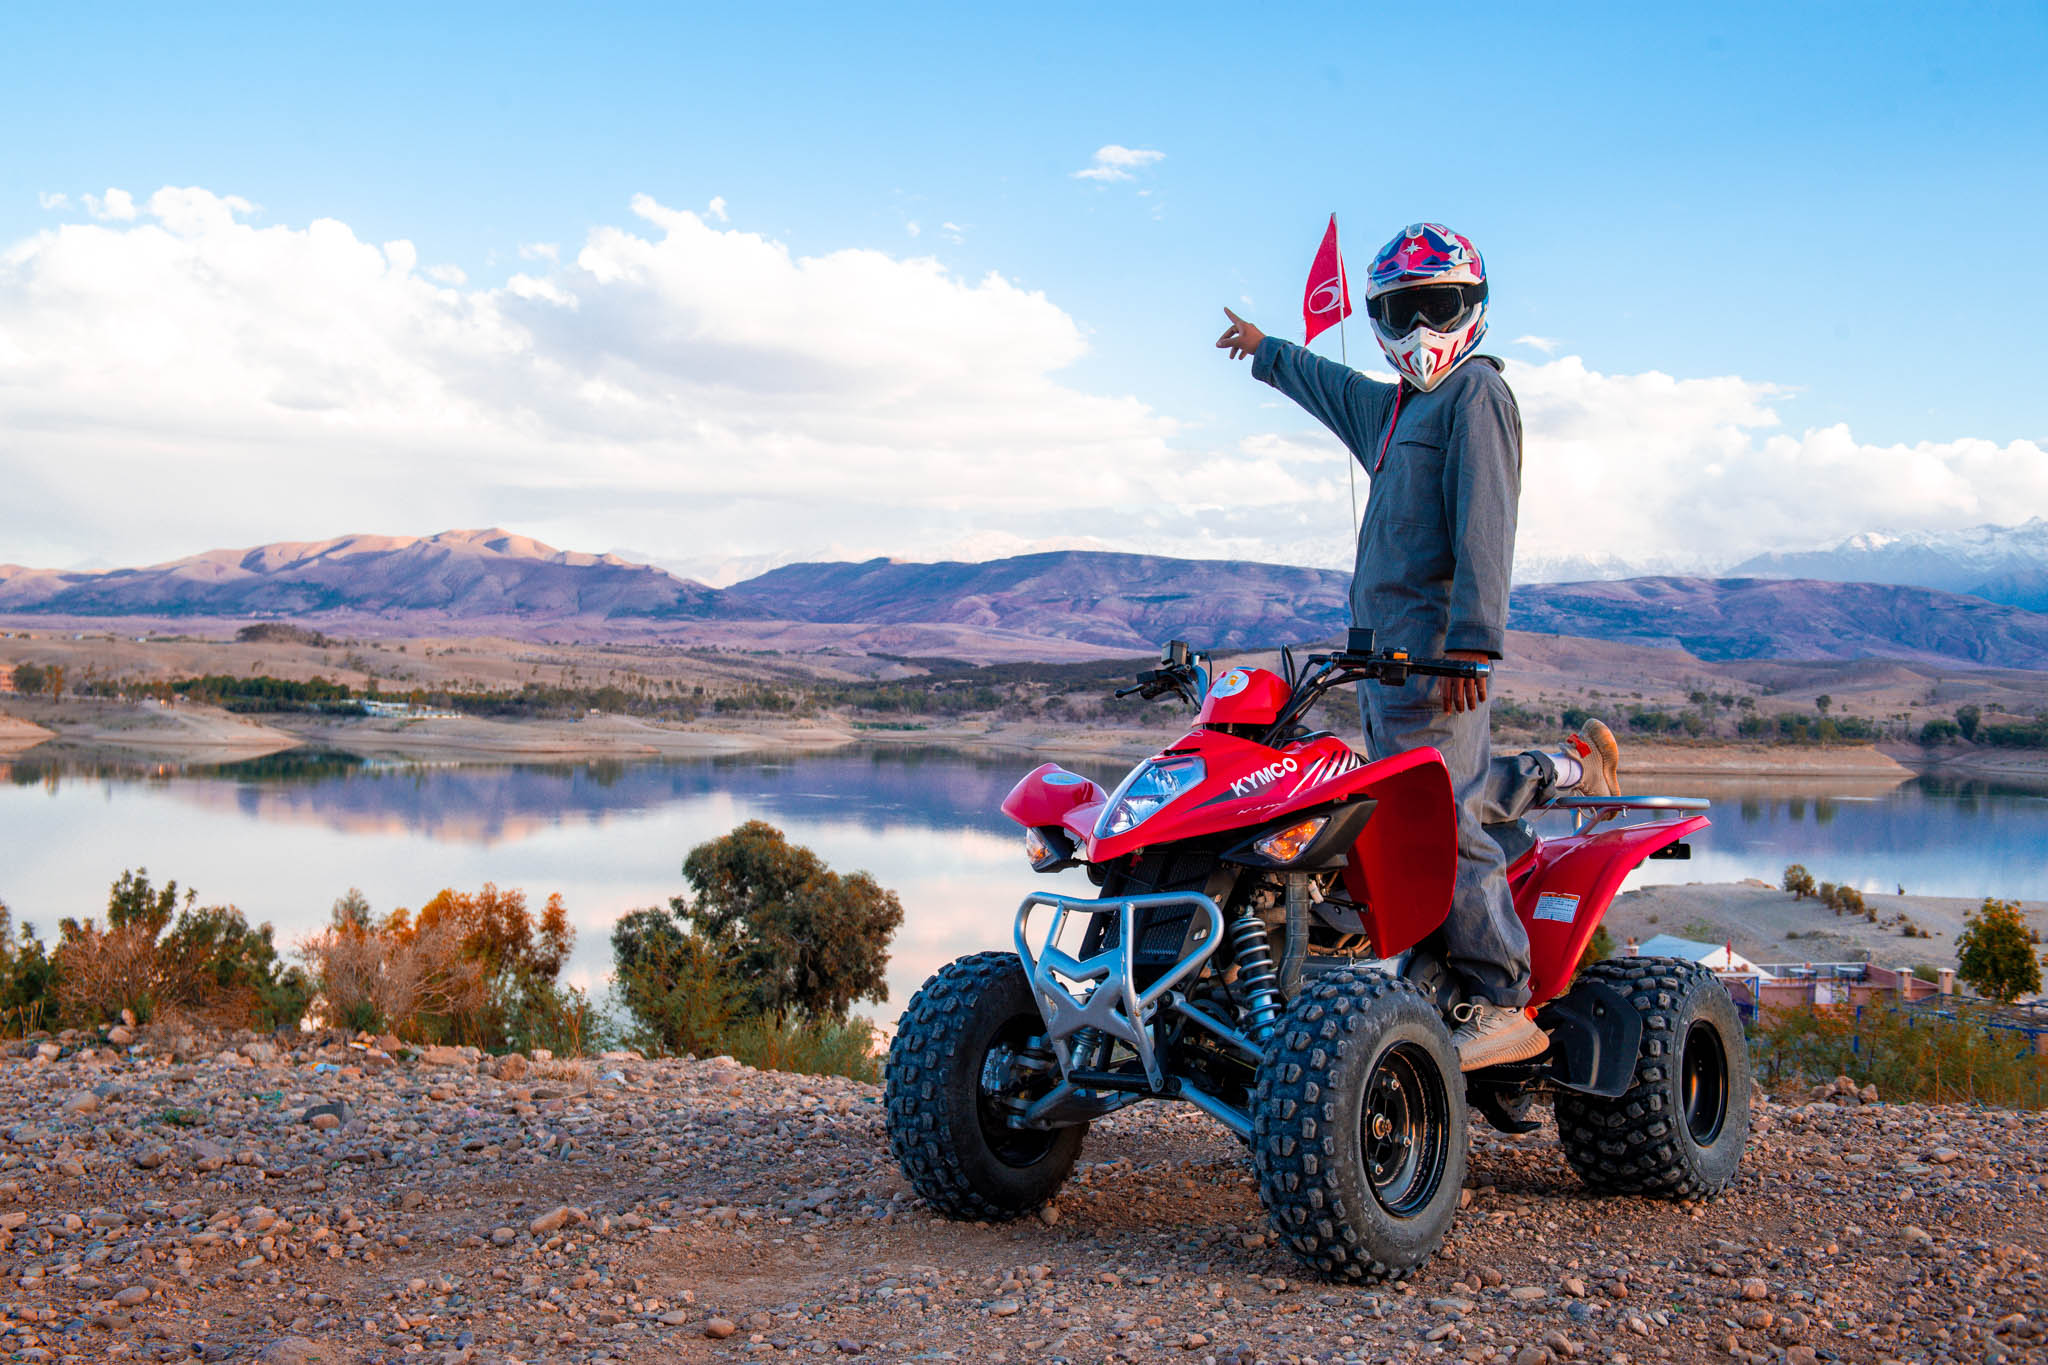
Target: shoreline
<point>191,733</point>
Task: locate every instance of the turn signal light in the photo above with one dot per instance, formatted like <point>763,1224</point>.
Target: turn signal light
<point>1035,846</point>
<point>1288,844</point>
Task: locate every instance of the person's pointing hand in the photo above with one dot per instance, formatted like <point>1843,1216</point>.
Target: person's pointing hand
<point>1240,338</point>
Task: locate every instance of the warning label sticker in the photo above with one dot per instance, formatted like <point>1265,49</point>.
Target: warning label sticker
<point>1562,908</point>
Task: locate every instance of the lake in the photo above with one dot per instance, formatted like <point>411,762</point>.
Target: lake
<point>283,837</point>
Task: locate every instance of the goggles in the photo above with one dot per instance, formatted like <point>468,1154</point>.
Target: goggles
<point>1435,306</point>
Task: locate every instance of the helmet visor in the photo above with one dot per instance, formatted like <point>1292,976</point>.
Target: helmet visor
<point>1435,306</point>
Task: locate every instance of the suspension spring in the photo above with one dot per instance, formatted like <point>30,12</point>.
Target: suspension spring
<point>1257,982</point>
<point>1083,1045</point>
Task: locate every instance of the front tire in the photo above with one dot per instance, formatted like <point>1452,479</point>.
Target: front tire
<point>1358,1127</point>
<point>944,1129</point>
<point>1678,1131</point>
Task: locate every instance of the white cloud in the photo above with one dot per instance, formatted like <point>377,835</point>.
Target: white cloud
<point>539,251</point>
<point>717,207</point>
<point>52,202</point>
<point>1547,345</point>
<point>1117,163</point>
<point>117,206</point>
<point>188,379</point>
<point>912,228</point>
<point>953,233</point>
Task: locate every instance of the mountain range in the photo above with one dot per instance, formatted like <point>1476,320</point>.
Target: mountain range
<point>2006,564</point>
<point>493,581</point>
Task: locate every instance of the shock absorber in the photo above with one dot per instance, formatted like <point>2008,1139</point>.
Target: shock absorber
<point>1257,982</point>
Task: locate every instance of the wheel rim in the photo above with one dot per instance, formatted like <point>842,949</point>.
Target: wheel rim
<point>1017,1147</point>
<point>1703,1082</point>
<point>1405,1127</point>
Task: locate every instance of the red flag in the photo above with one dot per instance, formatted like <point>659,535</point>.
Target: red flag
<point>1327,298</point>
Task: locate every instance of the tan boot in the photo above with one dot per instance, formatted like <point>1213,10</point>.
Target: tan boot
<point>1493,1034</point>
<point>1600,755</point>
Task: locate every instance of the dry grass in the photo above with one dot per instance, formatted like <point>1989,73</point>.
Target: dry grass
<point>411,983</point>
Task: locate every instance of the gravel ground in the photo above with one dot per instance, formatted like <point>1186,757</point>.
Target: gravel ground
<point>328,1205</point>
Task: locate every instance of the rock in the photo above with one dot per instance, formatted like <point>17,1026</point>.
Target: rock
<point>134,1296</point>
<point>513,1066</point>
<point>1528,1293</point>
<point>1533,1355</point>
<point>437,1055</point>
<point>554,1220</point>
<point>292,1351</point>
<point>120,1035</point>
<point>1194,1341</point>
<point>80,1102</point>
<point>1754,1290</point>
<point>48,1052</point>
<point>1574,1286</point>
<point>1004,1308</point>
<point>675,1317</point>
<point>207,1156</point>
<point>1915,1235</point>
<point>261,1053</point>
<point>1801,1355</point>
<point>149,1158</point>
<point>327,1117</point>
<point>1049,1215</point>
<point>718,1329</point>
<point>502,1237</point>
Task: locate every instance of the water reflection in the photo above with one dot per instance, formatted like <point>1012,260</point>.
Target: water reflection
<point>284,835</point>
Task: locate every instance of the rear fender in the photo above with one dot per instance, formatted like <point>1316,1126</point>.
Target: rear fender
<point>1405,862</point>
<point>1565,894</point>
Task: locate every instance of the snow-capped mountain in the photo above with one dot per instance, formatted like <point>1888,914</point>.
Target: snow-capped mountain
<point>2006,564</point>
<point>1605,568</point>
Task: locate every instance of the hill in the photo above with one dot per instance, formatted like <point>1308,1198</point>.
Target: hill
<point>1754,618</point>
<point>492,581</point>
<point>451,577</point>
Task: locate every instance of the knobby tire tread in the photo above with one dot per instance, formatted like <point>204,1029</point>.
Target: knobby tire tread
<point>920,1126</point>
<point>1295,1149</point>
<point>1634,1143</point>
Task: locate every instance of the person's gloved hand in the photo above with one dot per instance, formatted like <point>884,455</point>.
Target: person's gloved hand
<point>1464,694</point>
<point>1240,338</point>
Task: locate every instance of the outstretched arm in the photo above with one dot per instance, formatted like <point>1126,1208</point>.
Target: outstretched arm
<point>1342,399</point>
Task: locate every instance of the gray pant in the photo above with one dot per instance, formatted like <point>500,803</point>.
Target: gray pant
<point>1484,943</point>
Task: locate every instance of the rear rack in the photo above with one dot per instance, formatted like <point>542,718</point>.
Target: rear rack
<point>1591,810</point>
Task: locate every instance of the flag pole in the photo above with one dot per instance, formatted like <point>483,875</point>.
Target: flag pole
<point>1344,353</point>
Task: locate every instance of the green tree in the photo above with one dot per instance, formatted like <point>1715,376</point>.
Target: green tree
<point>1967,720</point>
<point>1938,731</point>
<point>1993,954</point>
<point>1823,701</point>
<point>801,936</point>
<point>1799,882</point>
<point>28,678</point>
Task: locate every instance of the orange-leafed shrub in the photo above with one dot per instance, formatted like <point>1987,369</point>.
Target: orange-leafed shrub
<point>477,969</point>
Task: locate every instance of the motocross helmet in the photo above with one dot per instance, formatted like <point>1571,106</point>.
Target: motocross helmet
<point>1426,296</point>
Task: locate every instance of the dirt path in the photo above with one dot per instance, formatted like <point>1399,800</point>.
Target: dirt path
<point>209,1208</point>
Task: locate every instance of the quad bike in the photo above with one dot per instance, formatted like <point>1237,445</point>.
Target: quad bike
<point>1265,947</point>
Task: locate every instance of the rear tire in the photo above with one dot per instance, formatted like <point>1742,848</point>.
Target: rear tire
<point>1678,1131</point>
<point>943,1131</point>
<point>1358,1127</point>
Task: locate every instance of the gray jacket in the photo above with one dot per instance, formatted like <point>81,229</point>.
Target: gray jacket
<point>1438,541</point>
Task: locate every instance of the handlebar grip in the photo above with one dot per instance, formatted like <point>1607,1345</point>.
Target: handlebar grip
<point>1450,668</point>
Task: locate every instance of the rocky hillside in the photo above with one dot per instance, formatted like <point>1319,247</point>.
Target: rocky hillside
<point>1753,618</point>
<point>1126,601</point>
<point>496,582</point>
<point>454,576</point>
<point>167,1199</point>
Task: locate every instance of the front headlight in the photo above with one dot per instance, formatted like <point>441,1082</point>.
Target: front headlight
<point>1149,788</point>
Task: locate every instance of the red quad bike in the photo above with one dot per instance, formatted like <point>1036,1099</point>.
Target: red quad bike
<point>1265,948</point>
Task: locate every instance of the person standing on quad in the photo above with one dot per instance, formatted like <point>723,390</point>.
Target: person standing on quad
<point>1443,447</point>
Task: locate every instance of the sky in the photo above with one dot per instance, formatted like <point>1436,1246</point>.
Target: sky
<point>726,288</point>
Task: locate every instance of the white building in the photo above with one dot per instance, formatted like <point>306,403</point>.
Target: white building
<point>1715,957</point>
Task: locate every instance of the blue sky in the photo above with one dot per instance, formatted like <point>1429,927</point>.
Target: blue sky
<point>1843,202</point>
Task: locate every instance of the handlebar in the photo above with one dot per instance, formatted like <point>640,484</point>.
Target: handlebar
<point>1184,674</point>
